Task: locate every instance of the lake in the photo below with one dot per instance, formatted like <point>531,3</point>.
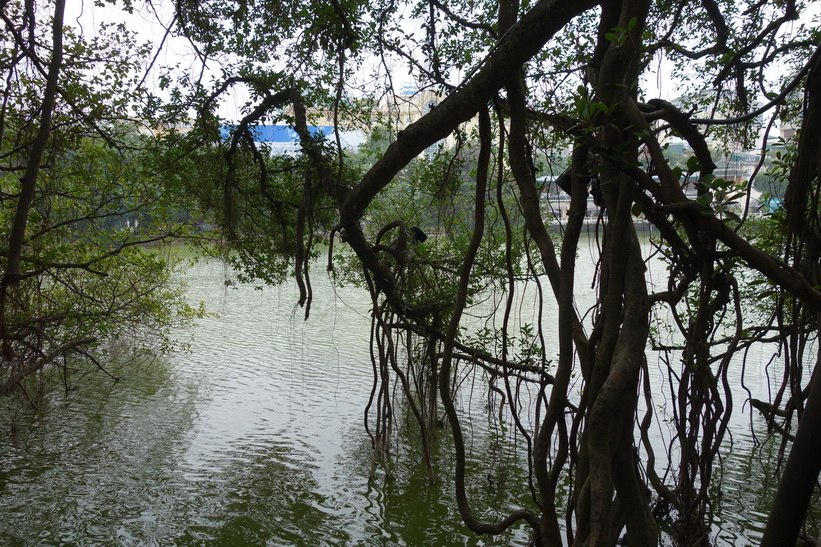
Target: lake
<point>255,436</point>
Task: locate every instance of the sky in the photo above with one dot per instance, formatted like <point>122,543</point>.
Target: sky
<point>88,16</point>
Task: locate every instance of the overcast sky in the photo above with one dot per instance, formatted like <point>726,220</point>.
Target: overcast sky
<point>86,15</point>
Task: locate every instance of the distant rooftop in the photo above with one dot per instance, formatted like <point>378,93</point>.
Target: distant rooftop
<point>408,90</point>
<point>280,133</point>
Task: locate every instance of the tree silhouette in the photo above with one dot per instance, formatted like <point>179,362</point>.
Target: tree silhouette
<point>549,79</point>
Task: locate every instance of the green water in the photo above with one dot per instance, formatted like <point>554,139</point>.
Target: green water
<point>256,437</point>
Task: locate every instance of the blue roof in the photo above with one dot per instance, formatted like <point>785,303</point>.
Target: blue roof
<point>408,89</point>
<point>279,133</point>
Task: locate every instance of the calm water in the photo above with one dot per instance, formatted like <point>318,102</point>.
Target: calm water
<point>256,437</point>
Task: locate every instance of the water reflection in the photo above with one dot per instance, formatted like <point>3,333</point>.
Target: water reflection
<point>97,464</point>
<point>255,437</point>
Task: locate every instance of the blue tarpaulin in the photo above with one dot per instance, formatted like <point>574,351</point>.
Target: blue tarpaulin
<point>280,133</point>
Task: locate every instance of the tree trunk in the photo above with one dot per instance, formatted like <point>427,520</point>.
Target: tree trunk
<point>795,490</point>
<point>794,494</point>
<point>28,183</point>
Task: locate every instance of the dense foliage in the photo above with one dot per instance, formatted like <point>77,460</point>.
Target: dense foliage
<point>512,95</point>
<point>82,196</point>
<point>517,91</point>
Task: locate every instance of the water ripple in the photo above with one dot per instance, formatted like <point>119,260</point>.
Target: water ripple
<point>255,437</point>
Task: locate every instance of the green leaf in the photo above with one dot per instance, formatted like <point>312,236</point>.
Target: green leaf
<point>693,164</point>
<point>732,216</point>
